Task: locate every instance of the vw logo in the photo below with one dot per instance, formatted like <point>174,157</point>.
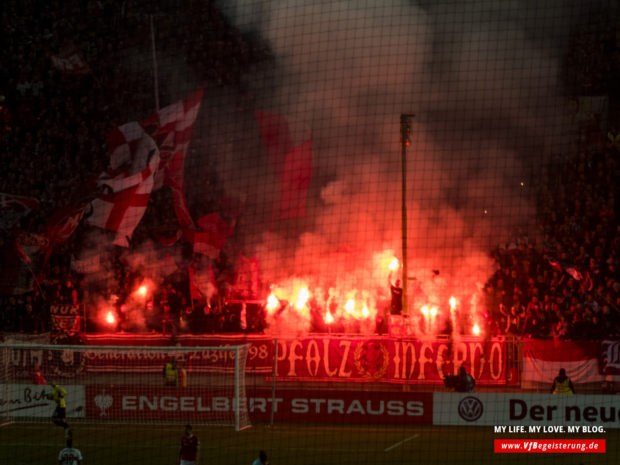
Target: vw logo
<point>470,408</point>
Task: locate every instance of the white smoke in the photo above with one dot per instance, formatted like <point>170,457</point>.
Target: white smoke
<point>482,79</point>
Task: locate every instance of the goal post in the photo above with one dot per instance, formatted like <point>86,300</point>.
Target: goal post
<point>197,385</point>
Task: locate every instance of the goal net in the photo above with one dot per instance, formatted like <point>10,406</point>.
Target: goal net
<point>141,385</point>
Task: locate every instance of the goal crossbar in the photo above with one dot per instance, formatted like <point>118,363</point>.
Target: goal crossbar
<point>201,385</point>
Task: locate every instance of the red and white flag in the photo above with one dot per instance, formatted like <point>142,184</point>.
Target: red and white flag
<point>69,61</point>
<point>211,237</point>
<point>122,207</point>
<point>542,360</point>
<point>171,129</point>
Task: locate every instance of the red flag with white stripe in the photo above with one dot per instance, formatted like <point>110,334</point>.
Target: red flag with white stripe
<point>542,360</point>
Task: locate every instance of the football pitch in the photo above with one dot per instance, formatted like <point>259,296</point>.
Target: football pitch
<point>115,444</point>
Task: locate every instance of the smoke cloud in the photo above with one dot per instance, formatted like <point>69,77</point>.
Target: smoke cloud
<point>484,82</point>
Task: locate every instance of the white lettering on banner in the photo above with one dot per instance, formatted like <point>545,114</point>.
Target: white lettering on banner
<point>293,357</point>
<point>411,408</point>
<point>424,360</point>
<point>170,403</point>
<point>313,357</point>
<point>441,350</point>
<point>408,365</point>
<point>345,356</point>
<point>476,353</point>
<point>328,372</point>
<point>496,351</point>
<point>336,405</point>
<point>460,354</point>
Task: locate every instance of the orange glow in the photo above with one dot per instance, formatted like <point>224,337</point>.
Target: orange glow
<point>476,330</point>
<point>302,298</point>
<point>110,318</point>
<point>394,264</point>
<point>452,303</point>
<point>425,311</point>
<point>329,319</point>
<point>350,306</point>
<point>365,312</point>
<point>433,311</point>
<point>272,303</point>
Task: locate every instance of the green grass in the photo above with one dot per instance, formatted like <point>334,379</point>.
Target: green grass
<point>110,444</point>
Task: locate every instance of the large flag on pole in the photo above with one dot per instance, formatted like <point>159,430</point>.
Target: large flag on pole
<point>171,128</point>
<point>126,196</point>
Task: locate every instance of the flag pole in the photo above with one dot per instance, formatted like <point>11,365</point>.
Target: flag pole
<point>405,140</point>
<point>155,71</point>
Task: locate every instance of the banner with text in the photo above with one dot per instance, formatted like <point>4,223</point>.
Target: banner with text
<point>315,406</point>
<point>344,358</point>
<point>30,400</point>
<point>523,410</point>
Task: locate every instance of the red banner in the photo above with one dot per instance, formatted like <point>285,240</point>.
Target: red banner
<point>335,358</point>
<point>195,404</point>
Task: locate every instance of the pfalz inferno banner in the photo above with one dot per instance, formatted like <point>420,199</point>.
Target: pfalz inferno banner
<point>389,360</point>
<point>289,405</point>
<point>331,358</point>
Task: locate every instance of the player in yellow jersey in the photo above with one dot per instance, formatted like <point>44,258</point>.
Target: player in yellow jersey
<point>60,413</point>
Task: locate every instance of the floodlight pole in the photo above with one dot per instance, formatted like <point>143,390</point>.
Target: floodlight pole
<point>154,57</point>
<point>405,134</point>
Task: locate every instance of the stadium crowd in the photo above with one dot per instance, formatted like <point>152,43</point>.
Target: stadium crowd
<point>566,286</point>
<point>66,78</point>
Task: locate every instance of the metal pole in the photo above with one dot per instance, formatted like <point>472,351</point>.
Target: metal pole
<point>155,72</point>
<point>405,132</point>
<point>273,383</point>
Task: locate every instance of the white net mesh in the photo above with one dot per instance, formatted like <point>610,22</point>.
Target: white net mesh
<point>142,385</point>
